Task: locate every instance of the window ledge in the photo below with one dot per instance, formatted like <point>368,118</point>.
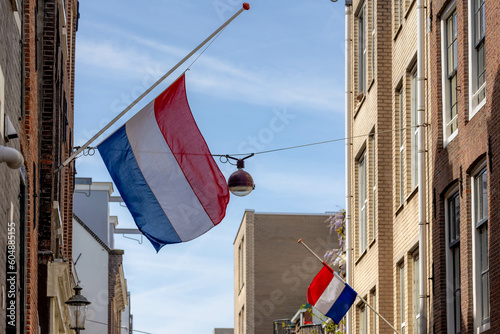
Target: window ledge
<point>413,192</point>
<point>359,104</point>
<point>362,255</point>
<point>407,12</point>
<point>400,208</point>
<point>398,30</point>
<point>450,138</point>
<point>483,328</point>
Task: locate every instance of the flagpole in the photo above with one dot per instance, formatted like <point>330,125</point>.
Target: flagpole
<point>362,299</point>
<point>246,6</point>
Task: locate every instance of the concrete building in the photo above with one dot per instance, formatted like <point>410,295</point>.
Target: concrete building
<point>99,265</point>
<point>465,98</point>
<point>387,110</point>
<point>271,270</point>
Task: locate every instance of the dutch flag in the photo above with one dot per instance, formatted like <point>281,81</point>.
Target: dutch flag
<point>330,295</point>
<point>164,171</point>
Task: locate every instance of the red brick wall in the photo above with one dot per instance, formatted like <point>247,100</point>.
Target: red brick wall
<point>453,163</point>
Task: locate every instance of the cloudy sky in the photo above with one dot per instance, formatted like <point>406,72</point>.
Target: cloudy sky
<point>273,79</point>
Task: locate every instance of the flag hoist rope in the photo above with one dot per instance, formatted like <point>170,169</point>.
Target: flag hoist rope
<point>361,298</point>
<point>246,6</point>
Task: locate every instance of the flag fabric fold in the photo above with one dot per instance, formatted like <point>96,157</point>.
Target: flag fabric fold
<point>330,295</point>
<point>164,171</point>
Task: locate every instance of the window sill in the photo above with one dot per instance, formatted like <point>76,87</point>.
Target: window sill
<point>410,196</point>
<point>450,138</point>
<point>362,255</point>
<point>398,30</point>
<point>407,12</point>
<point>483,328</point>
<point>361,99</point>
<point>241,288</point>
<point>477,108</point>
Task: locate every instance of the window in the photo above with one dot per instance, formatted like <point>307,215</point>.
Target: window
<point>481,247</point>
<point>400,134</point>
<point>241,320</point>
<point>241,263</point>
<point>361,51</point>
<point>374,316</point>
<point>400,9</point>
<point>414,130</point>
<point>363,321</point>
<point>453,262</point>
<point>416,294</point>
<point>372,45</point>
<point>450,60</point>
<point>402,297</point>
<point>477,54</point>
<point>374,187</point>
<point>362,203</point>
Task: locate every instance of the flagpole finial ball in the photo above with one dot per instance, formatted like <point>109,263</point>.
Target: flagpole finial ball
<point>299,241</point>
<point>246,6</point>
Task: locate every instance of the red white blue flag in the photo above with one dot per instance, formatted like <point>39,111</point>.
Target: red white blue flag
<point>330,295</point>
<point>164,171</point>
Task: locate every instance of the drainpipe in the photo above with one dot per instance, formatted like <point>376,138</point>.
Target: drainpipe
<point>348,144</point>
<point>422,251</point>
<point>11,157</point>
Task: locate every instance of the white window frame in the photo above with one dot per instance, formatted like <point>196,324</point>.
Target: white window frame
<point>362,49</point>
<point>414,129</point>
<point>416,293</point>
<point>451,246</point>
<point>363,320</point>
<point>474,90</point>
<point>402,297</point>
<point>374,185</point>
<point>374,304</point>
<point>480,324</point>
<point>241,264</point>
<point>401,146</point>
<point>363,202</point>
<point>448,76</point>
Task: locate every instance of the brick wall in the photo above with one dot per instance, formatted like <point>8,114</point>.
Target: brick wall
<point>454,163</point>
<point>115,262</point>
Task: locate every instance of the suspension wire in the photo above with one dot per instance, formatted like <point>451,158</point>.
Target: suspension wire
<point>320,143</point>
<point>205,49</point>
<point>305,145</point>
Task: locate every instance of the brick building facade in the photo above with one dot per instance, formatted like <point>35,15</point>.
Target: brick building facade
<point>383,171</point>
<point>465,130</point>
<point>271,271</point>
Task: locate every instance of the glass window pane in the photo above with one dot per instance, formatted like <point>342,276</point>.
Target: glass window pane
<point>486,296</point>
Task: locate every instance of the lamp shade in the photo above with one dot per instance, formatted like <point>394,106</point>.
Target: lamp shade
<point>78,306</point>
<point>240,183</point>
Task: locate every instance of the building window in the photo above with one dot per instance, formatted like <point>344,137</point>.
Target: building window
<point>362,50</point>
<point>363,321</point>
<point>477,54</point>
<point>453,262</point>
<point>416,294</point>
<point>414,129</point>
<point>481,247</point>
<point>402,298</point>
<point>363,199</point>
<point>374,319</point>
<point>401,148</point>
<point>241,320</point>
<point>450,61</point>
<point>374,187</point>
<point>241,264</point>
<point>372,45</point>
<point>399,6</point>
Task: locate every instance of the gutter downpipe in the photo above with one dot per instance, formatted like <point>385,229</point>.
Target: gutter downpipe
<point>422,212</point>
<point>348,144</point>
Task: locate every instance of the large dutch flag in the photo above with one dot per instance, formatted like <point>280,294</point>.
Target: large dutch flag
<point>164,171</point>
<point>330,295</point>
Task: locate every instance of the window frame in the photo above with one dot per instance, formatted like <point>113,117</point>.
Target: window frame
<point>362,49</point>
<point>402,295</point>
<point>362,202</point>
<point>416,292</point>
<point>363,320</point>
<point>449,77</point>
<point>401,145</point>
<point>480,322</point>
<point>474,90</point>
<point>414,129</point>
<point>453,279</point>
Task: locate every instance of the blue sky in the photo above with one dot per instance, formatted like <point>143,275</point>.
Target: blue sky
<point>274,78</point>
